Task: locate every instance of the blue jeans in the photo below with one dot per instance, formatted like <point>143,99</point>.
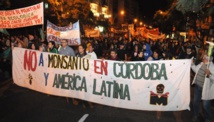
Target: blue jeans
<point>196,103</point>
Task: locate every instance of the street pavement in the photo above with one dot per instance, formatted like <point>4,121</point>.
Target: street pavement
<point>19,104</point>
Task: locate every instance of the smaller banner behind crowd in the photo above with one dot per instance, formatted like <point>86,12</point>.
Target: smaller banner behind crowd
<point>145,85</point>
<point>149,33</point>
<point>28,16</point>
<point>71,33</point>
<point>92,33</point>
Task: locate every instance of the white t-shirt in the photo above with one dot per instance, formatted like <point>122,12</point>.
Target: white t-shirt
<point>92,55</point>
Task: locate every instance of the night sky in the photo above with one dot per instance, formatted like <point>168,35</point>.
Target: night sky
<point>22,3</point>
<point>147,7</point>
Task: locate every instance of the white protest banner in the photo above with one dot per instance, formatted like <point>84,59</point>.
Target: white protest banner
<point>145,85</point>
<point>71,33</point>
<point>23,17</point>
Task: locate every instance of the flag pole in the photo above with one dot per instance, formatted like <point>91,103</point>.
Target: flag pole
<point>211,45</point>
<point>43,27</point>
<point>43,24</point>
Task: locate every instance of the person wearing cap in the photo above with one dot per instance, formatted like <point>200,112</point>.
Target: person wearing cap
<point>203,72</point>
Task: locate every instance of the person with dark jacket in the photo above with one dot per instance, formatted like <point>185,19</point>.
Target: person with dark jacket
<point>187,54</point>
<point>140,56</point>
<point>134,54</point>
<point>81,51</point>
<point>155,56</point>
<point>113,55</point>
<point>121,52</point>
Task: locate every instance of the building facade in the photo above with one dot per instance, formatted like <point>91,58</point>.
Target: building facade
<point>102,9</point>
<point>116,11</point>
<point>125,11</point>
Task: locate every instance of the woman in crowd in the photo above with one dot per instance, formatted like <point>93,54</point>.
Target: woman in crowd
<point>51,47</point>
<point>155,56</point>
<point>34,46</point>
<point>140,56</point>
<point>134,54</point>
<point>21,44</point>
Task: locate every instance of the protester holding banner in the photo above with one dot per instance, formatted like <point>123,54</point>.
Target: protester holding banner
<point>42,48</point>
<point>51,47</point>
<point>134,54</point>
<point>81,51</point>
<point>155,56</point>
<point>91,52</point>
<point>34,46</point>
<point>122,54</point>
<point>65,49</point>
<point>113,55</point>
<point>68,51</point>
<point>199,57</point>
<point>82,54</point>
<point>21,44</point>
<point>202,73</point>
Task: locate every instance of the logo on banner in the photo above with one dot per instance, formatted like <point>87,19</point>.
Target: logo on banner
<point>159,98</point>
<point>30,78</point>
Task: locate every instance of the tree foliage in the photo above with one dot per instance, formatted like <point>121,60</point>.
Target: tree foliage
<point>190,5</point>
<point>166,20</point>
<point>196,11</point>
<point>184,14</point>
<point>69,10</point>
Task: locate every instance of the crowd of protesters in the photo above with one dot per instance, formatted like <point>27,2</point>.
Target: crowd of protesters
<point>118,49</point>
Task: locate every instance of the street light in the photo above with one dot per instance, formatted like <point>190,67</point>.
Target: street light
<point>122,12</point>
<point>135,20</point>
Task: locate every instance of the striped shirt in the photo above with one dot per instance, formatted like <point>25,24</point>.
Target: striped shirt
<point>201,75</point>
